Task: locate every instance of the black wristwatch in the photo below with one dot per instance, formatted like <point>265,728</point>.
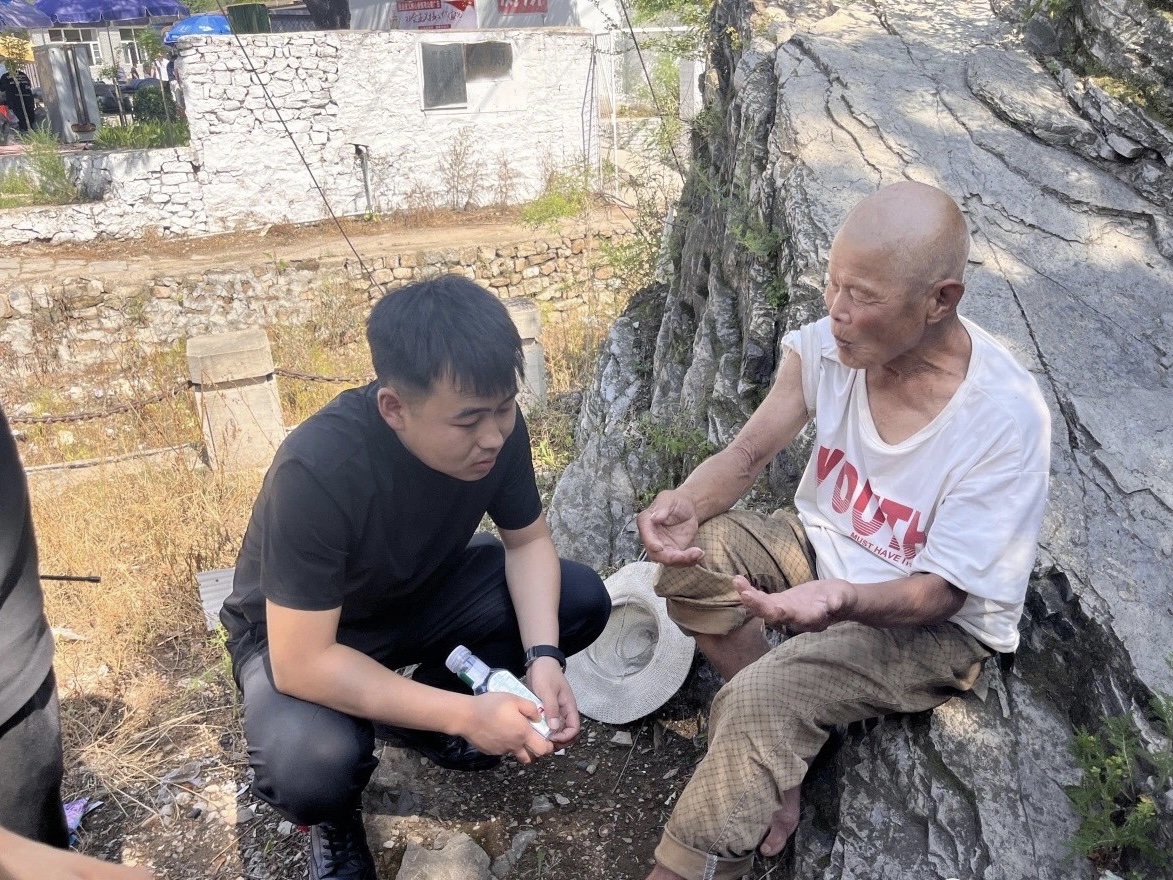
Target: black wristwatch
<point>544,651</point>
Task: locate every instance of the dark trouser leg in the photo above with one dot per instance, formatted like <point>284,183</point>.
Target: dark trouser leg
<point>32,768</point>
<point>311,763</point>
<point>473,608</point>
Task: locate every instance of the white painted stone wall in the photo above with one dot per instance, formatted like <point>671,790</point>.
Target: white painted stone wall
<point>333,90</point>
<point>341,88</point>
<point>139,190</point>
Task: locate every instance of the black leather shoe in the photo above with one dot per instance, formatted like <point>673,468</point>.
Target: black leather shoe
<point>442,749</point>
<point>339,851</point>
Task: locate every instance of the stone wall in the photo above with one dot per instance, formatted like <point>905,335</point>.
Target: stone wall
<point>342,93</point>
<point>85,318</point>
<point>133,191</point>
<point>350,104</point>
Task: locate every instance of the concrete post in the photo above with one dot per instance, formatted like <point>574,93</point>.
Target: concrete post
<point>691,100</point>
<point>236,396</point>
<point>528,320</point>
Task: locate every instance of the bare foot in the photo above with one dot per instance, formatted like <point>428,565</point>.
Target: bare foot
<point>782,824</point>
<point>661,873</point>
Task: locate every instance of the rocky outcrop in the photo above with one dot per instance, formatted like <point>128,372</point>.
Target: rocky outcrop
<point>1072,268</point>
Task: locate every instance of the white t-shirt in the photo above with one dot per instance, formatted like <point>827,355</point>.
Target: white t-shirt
<point>963,497</point>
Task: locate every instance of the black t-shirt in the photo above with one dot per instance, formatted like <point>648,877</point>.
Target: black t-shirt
<point>348,518</point>
<point>26,642</point>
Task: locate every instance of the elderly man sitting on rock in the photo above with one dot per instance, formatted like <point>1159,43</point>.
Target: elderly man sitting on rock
<point>907,564</point>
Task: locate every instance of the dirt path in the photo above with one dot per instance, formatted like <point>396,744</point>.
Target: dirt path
<point>131,260</point>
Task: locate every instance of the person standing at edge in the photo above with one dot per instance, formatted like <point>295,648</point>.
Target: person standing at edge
<point>907,564</point>
<point>34,839</point>
<point>361,557</point>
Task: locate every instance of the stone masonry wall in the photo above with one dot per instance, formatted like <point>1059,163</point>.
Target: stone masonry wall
<point>137,190</point>
<point>340,100</point>
<point>85,318</point>
<point>343,93</point>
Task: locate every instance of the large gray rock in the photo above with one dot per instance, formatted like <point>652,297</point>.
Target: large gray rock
<point>458,859</point>
<point>1072,269</point>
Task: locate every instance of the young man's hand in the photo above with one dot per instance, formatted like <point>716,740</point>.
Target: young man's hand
<point>809,607</point>
<point>24,859</point>
<point>546,679</point>
<point>500,725</point>
<point>668,528</point>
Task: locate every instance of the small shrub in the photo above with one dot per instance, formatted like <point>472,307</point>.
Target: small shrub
<point>17,190</point>
<point>1122,828</point>
<point>143,136</point>
<point>566,195</point>
<point>152,104</point>
<point>675,444</point>
<point>47,167</point>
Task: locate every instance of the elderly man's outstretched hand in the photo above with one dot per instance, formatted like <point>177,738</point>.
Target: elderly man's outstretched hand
<point>809,607</point>
<point>668,528</point>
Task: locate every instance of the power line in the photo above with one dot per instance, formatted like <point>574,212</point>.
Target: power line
<point>300,155</point>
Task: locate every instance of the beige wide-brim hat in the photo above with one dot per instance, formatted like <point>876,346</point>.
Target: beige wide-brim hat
<point>640,660</point>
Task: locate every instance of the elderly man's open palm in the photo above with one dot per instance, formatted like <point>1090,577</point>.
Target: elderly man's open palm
<point>668,529</point>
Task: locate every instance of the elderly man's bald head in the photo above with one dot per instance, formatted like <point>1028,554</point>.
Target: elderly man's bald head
<point>918,226</point>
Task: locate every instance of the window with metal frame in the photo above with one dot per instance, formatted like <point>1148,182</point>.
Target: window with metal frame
<point>447,68</point>
<point>87,38</point>
<point>128,42</point>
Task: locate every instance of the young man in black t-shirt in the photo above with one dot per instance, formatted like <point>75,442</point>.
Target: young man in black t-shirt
<point>362,557</point>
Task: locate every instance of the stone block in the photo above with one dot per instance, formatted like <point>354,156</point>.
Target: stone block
<point>409,260</point>
<point>239,409</point>
<point>403,273</point>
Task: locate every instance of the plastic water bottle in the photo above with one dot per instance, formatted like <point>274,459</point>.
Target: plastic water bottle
<point>477,675</point>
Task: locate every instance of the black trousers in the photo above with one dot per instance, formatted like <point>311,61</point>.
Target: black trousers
<point>31,768</point>
<point>311,763</point>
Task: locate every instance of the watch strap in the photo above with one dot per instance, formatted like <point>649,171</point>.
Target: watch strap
<point>537,651</point>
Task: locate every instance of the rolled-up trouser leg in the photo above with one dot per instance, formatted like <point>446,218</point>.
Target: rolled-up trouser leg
<point>310,763</point>
<point>772,719</point>
<point>771,551</point>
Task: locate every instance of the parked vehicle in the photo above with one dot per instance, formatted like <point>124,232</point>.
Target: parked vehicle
<point>108,98</point>
<point>142,82</point>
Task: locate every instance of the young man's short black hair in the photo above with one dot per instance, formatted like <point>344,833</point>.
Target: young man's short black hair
<point>445,327</point>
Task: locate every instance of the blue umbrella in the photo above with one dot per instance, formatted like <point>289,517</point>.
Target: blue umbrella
<point>198,25</point>
<point>20,16</point>
<point>87,11</point>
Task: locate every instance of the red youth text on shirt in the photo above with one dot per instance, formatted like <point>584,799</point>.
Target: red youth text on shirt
<point>905,537</point>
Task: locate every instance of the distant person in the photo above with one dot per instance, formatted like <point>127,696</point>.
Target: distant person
<point>24,859</point>
<point>18,96</point>
<point>134,72</point>
<point>362,556</point>
<point>31,762</point>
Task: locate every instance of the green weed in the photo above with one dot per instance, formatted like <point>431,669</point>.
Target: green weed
<point>1122,827</point>
<point>143,136</point>
<point>47,168</point>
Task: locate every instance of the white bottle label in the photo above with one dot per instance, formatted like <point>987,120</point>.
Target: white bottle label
<point>503,682</point>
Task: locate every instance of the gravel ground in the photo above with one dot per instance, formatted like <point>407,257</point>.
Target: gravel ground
<point>595,811</point>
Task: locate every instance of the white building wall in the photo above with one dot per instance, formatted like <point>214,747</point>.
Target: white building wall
<point>337,89</point>
<point>595,16</point>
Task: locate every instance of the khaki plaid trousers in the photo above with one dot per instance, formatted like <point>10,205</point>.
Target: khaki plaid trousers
<point>772,718</point>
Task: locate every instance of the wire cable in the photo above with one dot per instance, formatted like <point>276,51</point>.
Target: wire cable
<point>651,88</point>
<point>256,75</point>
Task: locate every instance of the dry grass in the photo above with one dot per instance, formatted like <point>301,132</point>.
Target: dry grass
<point>573,341</point>
<point>144,680</point>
